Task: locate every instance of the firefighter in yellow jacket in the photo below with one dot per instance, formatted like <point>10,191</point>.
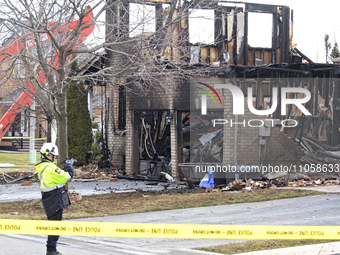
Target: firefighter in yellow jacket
<point>54,194</point>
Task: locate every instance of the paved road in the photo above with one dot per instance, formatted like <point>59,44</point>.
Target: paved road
<point>16,192</point>
<point>313,210</point>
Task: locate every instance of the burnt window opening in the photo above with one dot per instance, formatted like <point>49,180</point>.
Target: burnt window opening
<point>121,108</point>
<point>260,26</point>
<point>142,19</point>
<point>195,54</point>
<point>202,26</point>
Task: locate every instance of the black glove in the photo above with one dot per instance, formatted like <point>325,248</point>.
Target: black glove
<point>71,161</point>
<point>69,168</point>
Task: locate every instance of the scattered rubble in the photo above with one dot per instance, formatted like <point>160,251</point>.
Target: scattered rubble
<point>165,184</point>
<point>74,196</point>
<point>316,152</point>
<point>97,174</point>
<point>16,176</point>
<point>26,183</point>
<point>250,185</point>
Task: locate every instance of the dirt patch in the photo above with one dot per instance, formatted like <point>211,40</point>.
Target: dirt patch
<point>137,202</point>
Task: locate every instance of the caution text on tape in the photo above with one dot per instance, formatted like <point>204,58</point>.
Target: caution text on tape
<point>155,230</point>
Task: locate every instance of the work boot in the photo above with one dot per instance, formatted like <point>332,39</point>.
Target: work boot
<point>52,250</point>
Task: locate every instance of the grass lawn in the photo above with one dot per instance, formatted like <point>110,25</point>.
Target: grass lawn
<point>20,160</point>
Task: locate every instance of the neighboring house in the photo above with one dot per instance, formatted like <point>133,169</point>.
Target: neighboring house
<point>12,84</point>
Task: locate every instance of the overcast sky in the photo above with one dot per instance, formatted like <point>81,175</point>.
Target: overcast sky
<point>312,19</point>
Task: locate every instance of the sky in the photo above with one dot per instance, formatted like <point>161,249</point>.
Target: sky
<point>312,20</point>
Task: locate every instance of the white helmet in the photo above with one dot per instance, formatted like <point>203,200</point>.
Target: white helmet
<point>49,148</point>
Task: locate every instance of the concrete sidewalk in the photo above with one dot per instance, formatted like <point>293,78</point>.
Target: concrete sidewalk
<point>315,249</point>
<point>28,245</point>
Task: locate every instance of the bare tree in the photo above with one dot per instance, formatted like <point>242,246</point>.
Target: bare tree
<point>42,35</point>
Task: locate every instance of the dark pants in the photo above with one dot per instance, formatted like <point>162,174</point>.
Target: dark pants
<point>52,240</point>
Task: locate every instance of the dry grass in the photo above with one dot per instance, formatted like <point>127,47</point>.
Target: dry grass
<point>126,203</point>
<point>250,246</point>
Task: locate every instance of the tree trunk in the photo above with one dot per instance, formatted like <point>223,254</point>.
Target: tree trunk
<point>62,129</point>
<point>49,128</point>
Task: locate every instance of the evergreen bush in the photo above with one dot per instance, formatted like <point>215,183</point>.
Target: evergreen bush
<point>79,126</point>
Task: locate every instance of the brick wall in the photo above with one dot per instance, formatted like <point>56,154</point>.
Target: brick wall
<point>281,150</point>
<point>162,92</point>
<point>119,141</point>
<point>241,142</point>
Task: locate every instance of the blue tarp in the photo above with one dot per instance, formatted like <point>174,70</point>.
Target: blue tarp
<point>208,180</point>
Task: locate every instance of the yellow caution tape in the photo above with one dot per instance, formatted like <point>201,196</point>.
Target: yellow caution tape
<point>151,230</point>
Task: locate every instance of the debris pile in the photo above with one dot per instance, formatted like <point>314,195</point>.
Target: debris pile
<point>249,185</point>
<point>206,139</point>
<point>319,153</point>
<point>312,182</point>
<point>16,176</point>
<point>74,196</point>
<point>95,174</point>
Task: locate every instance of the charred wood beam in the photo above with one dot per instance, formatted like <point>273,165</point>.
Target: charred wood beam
<point>316,96</point>
<point>309,104</point>
<point>330,85</point>
<point>135,145</point>
<point>159,16</point>
<point>304,56</point>
<point>161,143</point>
<point>219,35</point>
<point>302,126</point>
<point>245,41</point>
<point>290,107</point>
<point>276,34</point>
<point>336,112</point>
<point>285,34</point>
<point>234,39</point>
<point>261,8</point>
<point>265,71</point>
<point>180,136</point>
<point>184,32</point>
<point>163,34</point>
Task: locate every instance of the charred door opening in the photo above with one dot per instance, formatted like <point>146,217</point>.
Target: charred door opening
<point>154,142</point>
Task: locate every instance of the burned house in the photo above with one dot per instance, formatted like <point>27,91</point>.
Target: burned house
<point>154,117</point>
